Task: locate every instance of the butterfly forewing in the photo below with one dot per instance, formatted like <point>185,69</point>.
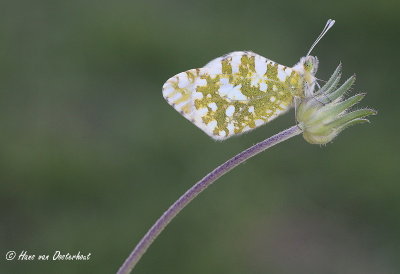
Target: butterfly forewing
<point>233,94</point>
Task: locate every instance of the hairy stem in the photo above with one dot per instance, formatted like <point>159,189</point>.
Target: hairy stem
<point>196,189</point>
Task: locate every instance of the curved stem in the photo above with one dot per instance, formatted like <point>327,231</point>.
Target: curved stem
<point>195,190</point>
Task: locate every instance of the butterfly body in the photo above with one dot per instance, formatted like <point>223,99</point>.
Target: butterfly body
<point>240,91</point>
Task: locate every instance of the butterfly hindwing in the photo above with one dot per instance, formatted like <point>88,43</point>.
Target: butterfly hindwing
<point>232,94</point>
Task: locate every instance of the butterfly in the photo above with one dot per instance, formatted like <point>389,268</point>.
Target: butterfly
<point>241,91</point>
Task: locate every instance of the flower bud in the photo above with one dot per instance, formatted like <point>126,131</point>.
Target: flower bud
<point>325,114</point>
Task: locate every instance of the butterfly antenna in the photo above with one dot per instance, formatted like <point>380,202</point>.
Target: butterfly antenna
<point>328,25</point>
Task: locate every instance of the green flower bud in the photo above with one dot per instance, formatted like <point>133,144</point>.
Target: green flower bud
<point>325,114</point>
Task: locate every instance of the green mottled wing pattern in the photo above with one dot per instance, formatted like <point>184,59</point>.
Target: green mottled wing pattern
<point>234,93</point>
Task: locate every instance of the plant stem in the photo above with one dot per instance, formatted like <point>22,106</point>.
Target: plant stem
<point>195,190</point>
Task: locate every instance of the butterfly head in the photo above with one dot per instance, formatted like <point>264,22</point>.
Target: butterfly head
<point>310,64</point>
<point>308,67</point>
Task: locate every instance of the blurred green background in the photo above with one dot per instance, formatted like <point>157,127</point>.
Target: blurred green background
<point>91,154</point>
